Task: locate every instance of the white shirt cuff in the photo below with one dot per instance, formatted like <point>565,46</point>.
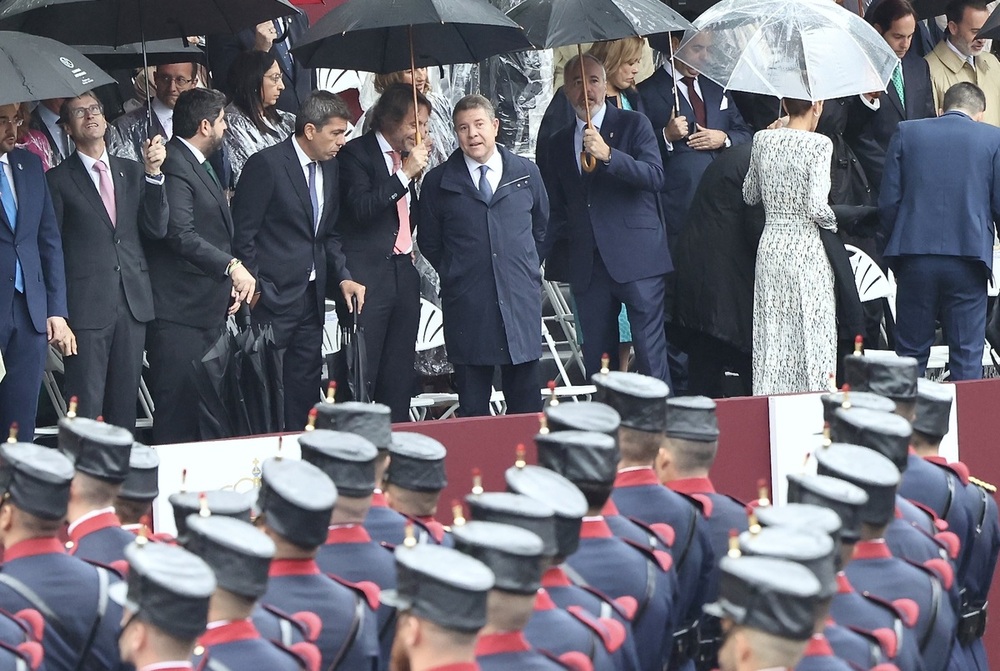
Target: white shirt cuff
<point>871,104</point>
<point>158,180</point>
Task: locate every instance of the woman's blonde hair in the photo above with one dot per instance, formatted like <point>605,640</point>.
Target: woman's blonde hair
<point>615,53</point>
<point>382,82</point>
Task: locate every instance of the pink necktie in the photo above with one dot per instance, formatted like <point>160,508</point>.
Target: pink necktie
<point>404,243</point>
<point>107,191</point>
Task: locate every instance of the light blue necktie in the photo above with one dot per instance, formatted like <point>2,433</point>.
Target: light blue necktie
<point>10,209</point>
<point>314,196</point>
<point>484,184</point>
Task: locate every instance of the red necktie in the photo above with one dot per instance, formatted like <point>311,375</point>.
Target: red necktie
<point>696,102</point>
<point>404,243</point>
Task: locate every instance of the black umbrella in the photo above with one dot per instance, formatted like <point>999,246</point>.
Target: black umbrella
<point>559,23</point>
<point>212,375</point>
<point>385,36</point>
<point>36,68</point>
<point>261,382</point>
<point>158,52</point>
<point>990,29</point>
<point>351,361</point>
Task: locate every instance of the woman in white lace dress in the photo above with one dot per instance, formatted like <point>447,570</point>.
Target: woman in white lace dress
<point>794,311</point>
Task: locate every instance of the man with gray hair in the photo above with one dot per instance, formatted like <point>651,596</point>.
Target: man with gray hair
<point>940,196</point>
<point>482,217</point>
<point>605,224</point>
<point>284,210</point>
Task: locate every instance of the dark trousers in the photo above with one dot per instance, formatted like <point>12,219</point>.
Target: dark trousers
<point>104,376</point>
<point>709,359</point>
<point>521,388</point>
<point>949,289</point>
<point>598,306</point>
<point>24,351</point>
<point>299,334</point>
<point>172,350</point>
<point>390,319</point>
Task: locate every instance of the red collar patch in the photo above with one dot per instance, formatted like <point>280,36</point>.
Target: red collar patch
<point>355,533</point>
<point>239,630</point>
<point>285,567</point>
<point>34,547</point>
<point>496,644</point>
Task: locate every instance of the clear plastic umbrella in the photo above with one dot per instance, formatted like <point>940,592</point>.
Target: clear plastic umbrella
<point>805,49</point>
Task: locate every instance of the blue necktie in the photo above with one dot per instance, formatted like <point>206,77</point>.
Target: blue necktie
<point>10,209</point>
<point>314,196</point>
<point>484,184</point>
<point>282,48</point>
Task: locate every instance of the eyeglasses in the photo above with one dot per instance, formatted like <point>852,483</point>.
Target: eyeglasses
<point>16,122</point>
<point>275,78</point>
<point>80,112</point>
<point>166,80</point>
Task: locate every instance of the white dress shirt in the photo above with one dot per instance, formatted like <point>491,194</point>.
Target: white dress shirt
<point>971,60</point>
<point>494,173</point>
<point>64,145</point>
<point>89,163</point>
<point>596,120</point>
<point>165,116</point>
<point>198,156</point>
<point>384,147</point>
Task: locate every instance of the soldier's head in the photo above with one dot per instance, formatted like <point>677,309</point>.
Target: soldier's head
<point>587,459</point>
<point>933,416</point>
<point>692,439</point>
<point>873,473</point>
<point>140,488</point>
<point>640,402</point>
<point>885,374</point>
<point>416,474</point>
<point>293,506</point>
<point>34,486</point>
<point>100,454</point>
<point>349,461</point>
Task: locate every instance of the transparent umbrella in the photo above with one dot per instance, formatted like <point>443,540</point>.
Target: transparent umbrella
<point>806,49</point>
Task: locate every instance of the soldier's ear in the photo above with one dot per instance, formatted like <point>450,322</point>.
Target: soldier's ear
<point>6,516</point>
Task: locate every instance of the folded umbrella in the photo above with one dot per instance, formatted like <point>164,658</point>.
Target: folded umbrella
<point>37,68</point>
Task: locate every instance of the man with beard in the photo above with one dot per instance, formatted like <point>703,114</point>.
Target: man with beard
<point>194,275</point>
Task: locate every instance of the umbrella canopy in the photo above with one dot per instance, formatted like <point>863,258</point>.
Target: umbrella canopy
<point>805,49</point>
<point>36,68</point>
<point>118,22</point>
<point>159,52</point>
<point>377,35</point>
<point>559,23</point>
<point>990,29</point>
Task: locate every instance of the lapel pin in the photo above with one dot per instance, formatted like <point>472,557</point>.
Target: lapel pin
<point>121,174</point>
<point>19,167</point>
<point>611,135</point>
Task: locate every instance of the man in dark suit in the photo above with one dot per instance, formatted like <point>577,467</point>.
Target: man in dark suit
<point>284,211</point>
<point>376,181</point>
<point>45,118</point>
<point>908,96</point>
<point>277,37</point>
<point>105,208</point>
<point>127,136</point>
<point>32,278</point>
<point>194,274</point>
<point>690,138</point>
<point>940,197</point>
<point>609,224</point>
<point>483,215</point>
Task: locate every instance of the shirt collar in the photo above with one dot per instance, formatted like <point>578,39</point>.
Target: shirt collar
<point>110,510</point>
<point>383,144</point>
<point>161,110</point>
<point>304,160</point>
<point>89,163</point>
<point>48,116</point>
<point>596,119</point>
<point>494,163</point>
<point>971,60</point>
<point>194,150</point>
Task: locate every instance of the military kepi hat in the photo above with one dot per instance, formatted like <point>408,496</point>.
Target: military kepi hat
<point>369,420</point>
<point>519,511</point>
<point>513,554</point>
<point>416,462</point>
<point>639,399</point>
<point>168,587</point>
<point>141,483</point>
<point>593,416</point>
<point>933,414</point>
<point>556,492</point>
<point>238,553</point>
<point>579,456</point>
<point>97,449</point>
<point>441,585</point>
<point>346,458</point>
<point>776,596</point>
<point>854,399</point>
<point>808,548</point>
<point>692,418</point>
<point>296,499</point>
<point>870,471</point>
<point>223,502</point>
<point>37,479</point>
<point>846,500</point>
<point>887,434</point>
<point>882,373</point>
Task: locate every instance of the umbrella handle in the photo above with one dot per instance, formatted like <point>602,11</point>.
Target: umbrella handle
<point>587,161</point>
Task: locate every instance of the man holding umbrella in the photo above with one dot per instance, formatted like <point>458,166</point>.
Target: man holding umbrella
<point>609,218</point>
<point>128,135</point>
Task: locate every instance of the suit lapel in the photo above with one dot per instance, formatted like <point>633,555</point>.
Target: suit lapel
<point>209,184</point>
<point>298,179</point>
<point>330,178</point>
<point>89,191</point>
<point>712,95</point>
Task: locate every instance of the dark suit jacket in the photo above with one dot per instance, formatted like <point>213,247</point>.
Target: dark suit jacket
<point>368,222</point>
<point>952,156</point>
<point>613,209</point>
<point>487,257</point>
<point>871,142</point>
<point>188,267</point>
<point>683,166</point>
<point>35,123</point>
<point>275,237</point>
<point>100,256</point>
<point>36,243</point>
<point>222,50</point>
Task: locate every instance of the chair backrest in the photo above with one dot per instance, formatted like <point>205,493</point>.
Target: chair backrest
<point>430,333</point>
<point>871,282</point>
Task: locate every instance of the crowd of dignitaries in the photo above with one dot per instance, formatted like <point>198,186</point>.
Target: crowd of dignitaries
<point>614,553</point>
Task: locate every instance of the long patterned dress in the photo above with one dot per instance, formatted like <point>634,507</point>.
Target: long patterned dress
<point>794,311</point>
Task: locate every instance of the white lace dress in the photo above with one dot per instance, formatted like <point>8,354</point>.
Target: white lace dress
<point>794,310</point>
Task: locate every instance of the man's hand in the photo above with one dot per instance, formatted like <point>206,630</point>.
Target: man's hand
<point>60,335</point>
<point>595,145</point>
<point>352,289</point>
<point>154,155</point>
<point>780,122</point>
<point>706,139</point>
<point>676,129</point>
<point>243,283</point>
<point>416,160</point>
<point>234,307</point>
<point>264,36</point>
